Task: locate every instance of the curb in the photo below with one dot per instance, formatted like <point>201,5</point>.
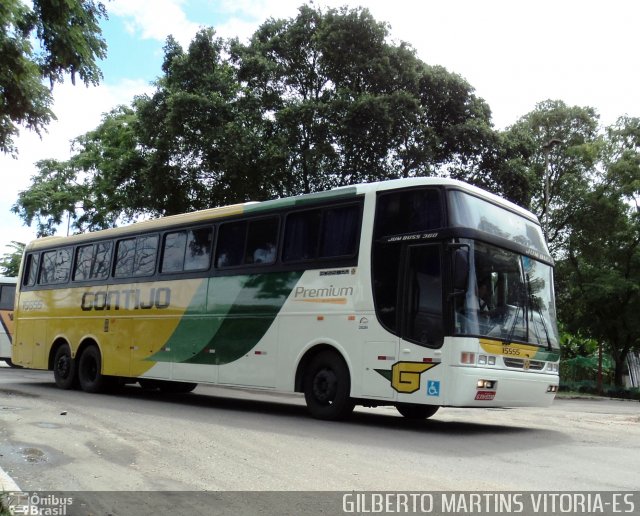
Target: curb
<point>7,483</point>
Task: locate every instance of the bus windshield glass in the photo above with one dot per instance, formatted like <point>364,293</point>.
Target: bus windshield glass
<point>472,212</point>
<point>509,297</point>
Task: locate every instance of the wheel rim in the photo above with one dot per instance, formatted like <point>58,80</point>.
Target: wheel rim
<point>63,366</point>
<point>325,386</point>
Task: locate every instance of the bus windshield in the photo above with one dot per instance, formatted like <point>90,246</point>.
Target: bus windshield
<point>472,212</point>
<point>509,297</point>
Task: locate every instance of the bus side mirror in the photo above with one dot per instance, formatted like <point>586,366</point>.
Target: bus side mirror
<point>460,269</point>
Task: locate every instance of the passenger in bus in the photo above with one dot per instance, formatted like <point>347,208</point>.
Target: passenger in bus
<point>484,296</point>
<point>266,254</point>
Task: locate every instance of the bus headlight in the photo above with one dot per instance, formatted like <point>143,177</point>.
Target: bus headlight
<point>486,384</point>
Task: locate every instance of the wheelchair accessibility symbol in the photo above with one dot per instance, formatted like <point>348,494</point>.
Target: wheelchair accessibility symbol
<point>433,388</point>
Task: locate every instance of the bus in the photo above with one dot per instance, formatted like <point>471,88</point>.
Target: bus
<point>7,295</point>
<point>417,293</point>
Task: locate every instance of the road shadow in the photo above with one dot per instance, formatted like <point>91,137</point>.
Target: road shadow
<point>224,405</point>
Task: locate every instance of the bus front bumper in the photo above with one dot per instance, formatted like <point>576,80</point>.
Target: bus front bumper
<point>490,387</point>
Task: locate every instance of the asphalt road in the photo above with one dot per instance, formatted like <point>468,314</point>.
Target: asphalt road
<point>224,439</point>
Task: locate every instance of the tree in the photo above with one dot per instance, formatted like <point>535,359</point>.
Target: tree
<point>559,144</point>
<point>96,187</point>
<point>70,41</point>
<point>10,262</point>
<point>599,287</point>
<point>310,103</point>
<point>346,106</point>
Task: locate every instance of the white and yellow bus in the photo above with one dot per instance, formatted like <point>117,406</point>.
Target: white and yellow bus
<point>7,296</point>
<point>418,293</point>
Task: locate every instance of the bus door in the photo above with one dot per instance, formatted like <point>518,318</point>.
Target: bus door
<point>422,328</point>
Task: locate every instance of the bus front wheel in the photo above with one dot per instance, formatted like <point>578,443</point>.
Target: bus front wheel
<point>89,371</point>
<point>327,386</point>
<point>414,411</point>
<point>64,368</point>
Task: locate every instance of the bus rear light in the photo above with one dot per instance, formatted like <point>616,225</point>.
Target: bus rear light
<point>467,358</point>
<point>482,359</point>
<point>486,384</point>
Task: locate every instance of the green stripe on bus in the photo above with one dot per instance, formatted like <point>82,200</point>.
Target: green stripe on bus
<point>300,200</point>
<point>227,319</point>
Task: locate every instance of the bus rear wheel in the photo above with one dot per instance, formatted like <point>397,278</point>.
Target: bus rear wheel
<point>414,411</point>
<point>89,371</point>
<point>64,368</point>
<point>327,386</point>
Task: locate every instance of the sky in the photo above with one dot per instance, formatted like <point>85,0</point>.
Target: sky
<point>515,53</point>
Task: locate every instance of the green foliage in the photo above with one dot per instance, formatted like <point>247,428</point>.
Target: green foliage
<point>559,144</point>
<point>599,274</point>
<point>310,103</point>
<point>585,368</point>
<point>69,40</point>
<point>346,106</point>
<point>10,262</point>
<point>591,387</point>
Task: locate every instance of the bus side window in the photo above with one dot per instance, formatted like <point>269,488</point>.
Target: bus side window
<point>55,267</point>
<point>173,251</point>
<point>102,261</point>
<point>84,258</point>
<point>198,252</point>
<point>301,236</point>
<point>7,293</point>
<point>125,251</point>
<point>340,229</point>
<point>145,257</point>
<point>31,270</point>
<point>231,243</point>
<point>262,241</point>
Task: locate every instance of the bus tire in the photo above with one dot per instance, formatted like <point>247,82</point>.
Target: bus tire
<point>327,386</point>
<point>89,371</point>
<point>64,368</point>
<point>414,411</point>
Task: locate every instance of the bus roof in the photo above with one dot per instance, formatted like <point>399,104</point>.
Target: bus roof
<point>343,192</point>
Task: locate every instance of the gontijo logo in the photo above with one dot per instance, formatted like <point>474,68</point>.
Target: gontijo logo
<point>128,299</point>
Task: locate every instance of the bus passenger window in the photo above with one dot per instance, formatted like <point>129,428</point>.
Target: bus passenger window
<point>198,255</point>
<point>31,272</point>
<point>231,240</point>
<point>124,258</point>
<point>102,261</point>
<point>145,258</point>
<point>7,294</point>
<point>340,228</point>
<point>261,241</point>
<point>301,236</point>
<point>84,258</point>
<point>173,251</point>
<point>56,266</point>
